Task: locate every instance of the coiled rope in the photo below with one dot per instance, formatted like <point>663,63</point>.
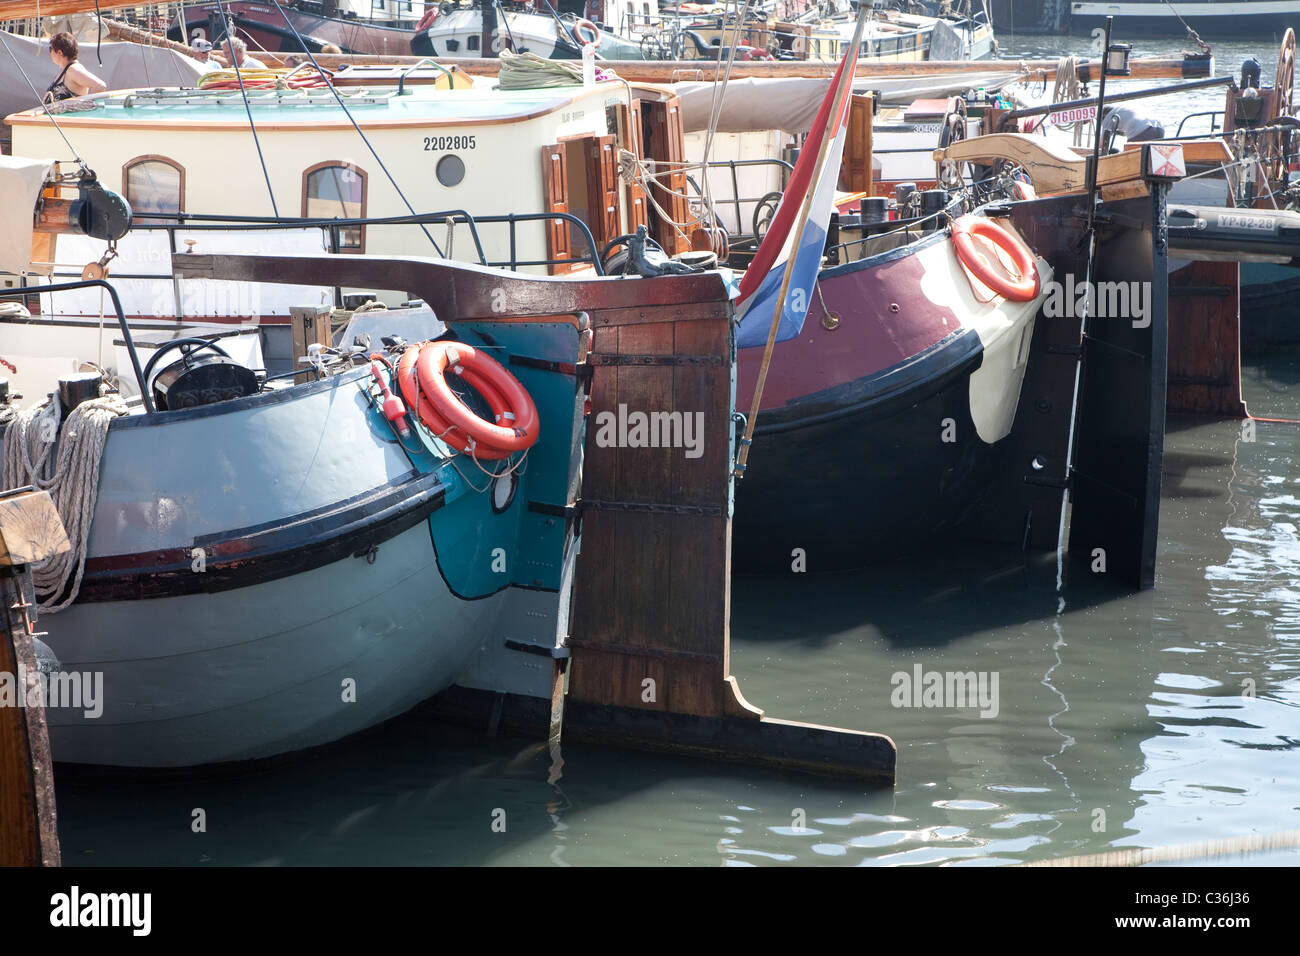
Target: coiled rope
<point>528,71</point>
<point>71,477</point>
<point>1067,90</point>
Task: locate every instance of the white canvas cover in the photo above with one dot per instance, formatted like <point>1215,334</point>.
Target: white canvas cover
<point>790,103</point>
<point>20,185</point>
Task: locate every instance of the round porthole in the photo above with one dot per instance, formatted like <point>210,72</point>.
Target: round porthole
<point>450,170</point>
<point>503,492</point>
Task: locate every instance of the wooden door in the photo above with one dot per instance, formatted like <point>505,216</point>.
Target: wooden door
<point>666,145</point>
<point>555,184</point>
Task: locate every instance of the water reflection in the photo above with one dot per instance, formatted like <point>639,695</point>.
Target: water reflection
<point>1124,720</point>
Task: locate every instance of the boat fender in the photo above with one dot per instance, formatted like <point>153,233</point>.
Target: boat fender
<point>1025,288</point>
<point>590,28</point>
<point>393,408</point>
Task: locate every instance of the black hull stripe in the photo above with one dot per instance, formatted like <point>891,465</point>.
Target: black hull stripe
<point>298,544</point>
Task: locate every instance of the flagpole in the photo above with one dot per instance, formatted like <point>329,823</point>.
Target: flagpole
<point>832,120</point>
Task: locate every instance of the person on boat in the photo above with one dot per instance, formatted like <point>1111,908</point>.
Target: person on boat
<point>202,53</point>
<point>74,79</point>
<point>331,48</point>
<point>236,51</point>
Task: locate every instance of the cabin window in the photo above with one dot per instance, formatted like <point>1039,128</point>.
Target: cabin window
<point>334,190</point>
<point>471,43</point>
<point>154,185</point>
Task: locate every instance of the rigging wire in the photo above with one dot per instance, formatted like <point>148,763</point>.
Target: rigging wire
<point>1191,34</point>
<point>247,108</point>
<point>329,82</point>
<point>715,106</point>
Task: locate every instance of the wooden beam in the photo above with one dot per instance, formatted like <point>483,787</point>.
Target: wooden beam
<point>674,71</point>
<point>1054,168</point>
<point>30,530</point>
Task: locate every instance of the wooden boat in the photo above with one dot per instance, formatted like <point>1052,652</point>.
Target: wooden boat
<point>890,35</point>
<point>1250,169</point>
<point>921,357</point>
<point>271,568</point>
<point>486,27</point>
<point>276,27</point>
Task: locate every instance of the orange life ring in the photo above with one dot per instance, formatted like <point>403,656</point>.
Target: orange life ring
<point>1023,289</point>
<point>420,374</point>
<point>588,25</point>
<point>427,20</point>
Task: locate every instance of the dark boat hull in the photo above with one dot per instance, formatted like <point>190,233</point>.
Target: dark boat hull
<point>1249,20</point>
<point>860,485</point>
<point>878,431</point>
<point>263,27</point>
<point>1268,306</point>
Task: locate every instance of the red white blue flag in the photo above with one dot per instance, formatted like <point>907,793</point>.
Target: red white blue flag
<point>761,284</point>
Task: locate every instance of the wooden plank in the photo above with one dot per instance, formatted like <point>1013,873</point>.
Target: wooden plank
<point>1052,167</point>
<point>30,529</point>
<point>642,550</point>
<point>596,573</point>
<point>700,591</point>
<point>1205,340</point>
<point>673,71</point>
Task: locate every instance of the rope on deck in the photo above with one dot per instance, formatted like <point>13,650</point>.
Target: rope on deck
<point>70,475</point>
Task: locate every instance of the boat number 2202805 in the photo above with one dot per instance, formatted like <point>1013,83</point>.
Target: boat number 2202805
<point>448,142</point>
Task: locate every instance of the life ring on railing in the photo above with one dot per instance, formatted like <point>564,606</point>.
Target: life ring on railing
<point>421,377</point>
<point>427,20</point>
<point>589,26</point>
<point>1023,289</point>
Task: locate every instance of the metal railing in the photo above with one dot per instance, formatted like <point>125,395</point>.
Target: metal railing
<point>333,227</point>
<point>1214,115</point>
<point>736,199</point>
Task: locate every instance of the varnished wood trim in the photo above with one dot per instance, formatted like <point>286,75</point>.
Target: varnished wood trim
<point>365,188</point>
<point>154,158</point>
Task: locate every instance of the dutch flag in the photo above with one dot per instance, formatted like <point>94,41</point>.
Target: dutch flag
<point>760,286</point>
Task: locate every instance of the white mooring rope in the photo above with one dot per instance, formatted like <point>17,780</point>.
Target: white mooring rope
<point>71,477</point>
